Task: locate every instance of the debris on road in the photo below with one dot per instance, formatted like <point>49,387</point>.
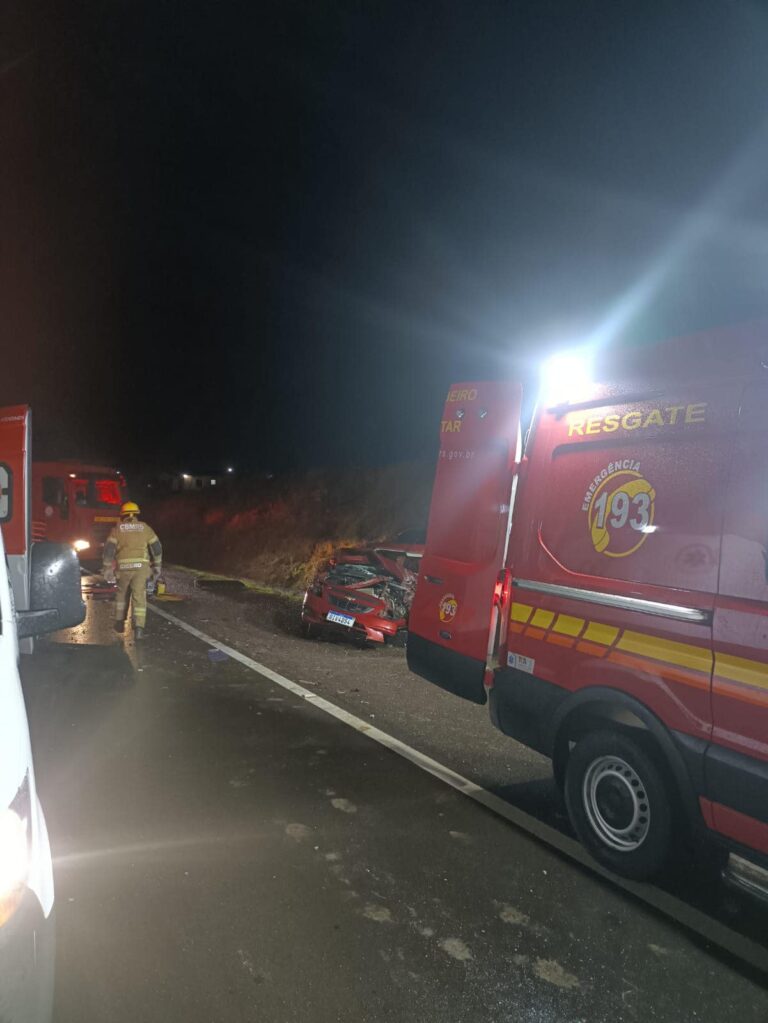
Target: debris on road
<point>225,585</point>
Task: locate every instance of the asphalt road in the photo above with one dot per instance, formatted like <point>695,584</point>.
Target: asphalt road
<point>225,851</point>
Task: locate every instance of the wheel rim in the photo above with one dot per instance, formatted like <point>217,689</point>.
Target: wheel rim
<point>616,803</point>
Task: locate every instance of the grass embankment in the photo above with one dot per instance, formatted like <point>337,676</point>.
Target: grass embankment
<point>277,532</point>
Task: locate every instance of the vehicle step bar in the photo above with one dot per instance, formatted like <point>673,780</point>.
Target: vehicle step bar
<point>747,877</point>
<point>616,600</point>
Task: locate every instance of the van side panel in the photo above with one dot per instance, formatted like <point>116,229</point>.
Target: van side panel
<point>615,550</point>
<point>737,763</point>
<point>665,665</point>
<point>628,494</point>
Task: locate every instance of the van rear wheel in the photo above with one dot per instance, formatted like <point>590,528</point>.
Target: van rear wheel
<point>619,804</point>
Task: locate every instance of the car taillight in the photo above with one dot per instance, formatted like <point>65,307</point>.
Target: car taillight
<point>502,588</point>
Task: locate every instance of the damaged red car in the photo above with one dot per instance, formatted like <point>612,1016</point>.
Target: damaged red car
<point>365,593</point>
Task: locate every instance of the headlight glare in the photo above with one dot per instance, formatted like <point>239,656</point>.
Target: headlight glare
<point>15,846</point>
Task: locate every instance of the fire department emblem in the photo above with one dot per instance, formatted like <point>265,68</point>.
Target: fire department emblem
<point>448,607</point>
<point>620,506</point>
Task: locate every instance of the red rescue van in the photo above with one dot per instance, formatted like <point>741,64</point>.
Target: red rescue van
<point>76,503</point>
<point>606,591</point>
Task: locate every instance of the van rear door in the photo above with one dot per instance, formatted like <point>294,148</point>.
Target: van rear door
<point>451,616</point>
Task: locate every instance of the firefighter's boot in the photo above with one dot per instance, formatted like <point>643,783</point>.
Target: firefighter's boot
<point>138,632</point>
<point>119,626</point>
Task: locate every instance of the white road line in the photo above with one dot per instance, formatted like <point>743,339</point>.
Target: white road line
<point>730,941</point>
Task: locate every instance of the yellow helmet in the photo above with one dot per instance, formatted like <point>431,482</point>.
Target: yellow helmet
<point>130,508</point>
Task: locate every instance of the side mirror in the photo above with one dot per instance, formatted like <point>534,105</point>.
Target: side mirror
<point>54,593</point>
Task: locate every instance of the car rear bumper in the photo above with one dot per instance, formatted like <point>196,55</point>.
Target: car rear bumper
<point>27,959</point>
<point>375,631</point>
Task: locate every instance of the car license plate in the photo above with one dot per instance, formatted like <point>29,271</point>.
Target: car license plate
<point>334,616</point>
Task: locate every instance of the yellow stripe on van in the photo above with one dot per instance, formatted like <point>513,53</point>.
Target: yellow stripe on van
<point>568,625</point>
<point>520,612</point>
<point>598,633</point>
<point>542,619</point>
<point>739,669</point>
<point>684,654</point>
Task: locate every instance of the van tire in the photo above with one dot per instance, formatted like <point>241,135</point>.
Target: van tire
<point>619,804</point>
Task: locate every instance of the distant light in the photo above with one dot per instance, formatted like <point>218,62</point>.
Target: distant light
<point>81,545</point>
<point>186,476</point>
<point>213,483</point>
<point>73,475</point>
<point>565,377</point>
<point>230,469</point>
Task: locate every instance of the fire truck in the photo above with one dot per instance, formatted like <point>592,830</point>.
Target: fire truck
<point>604,588</point>
<point>76,503</point>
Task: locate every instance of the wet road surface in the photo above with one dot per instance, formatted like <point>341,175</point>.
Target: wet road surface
<point>376,686</point>
<point>224,851</point>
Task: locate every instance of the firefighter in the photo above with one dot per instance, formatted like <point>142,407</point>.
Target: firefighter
<point>132,552</point>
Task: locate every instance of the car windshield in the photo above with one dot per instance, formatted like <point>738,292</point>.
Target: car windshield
<point>354,574</point>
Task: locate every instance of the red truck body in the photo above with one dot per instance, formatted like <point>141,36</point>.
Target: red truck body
<point>76,503</point>
<point>611,585</point>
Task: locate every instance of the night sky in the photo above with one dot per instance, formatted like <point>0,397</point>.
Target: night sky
<point>272,234</point>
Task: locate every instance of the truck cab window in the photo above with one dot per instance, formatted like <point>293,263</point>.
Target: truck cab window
<point>53,490</point>
<point>81,493</point>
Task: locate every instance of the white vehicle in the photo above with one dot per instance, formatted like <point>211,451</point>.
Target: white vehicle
<point>49,581</point>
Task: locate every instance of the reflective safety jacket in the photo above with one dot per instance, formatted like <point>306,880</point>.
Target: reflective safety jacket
<point>132,545</point>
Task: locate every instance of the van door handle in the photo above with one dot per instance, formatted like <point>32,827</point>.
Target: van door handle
<point>434,580</point>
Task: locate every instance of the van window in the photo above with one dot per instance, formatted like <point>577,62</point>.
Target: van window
<point>642,508</point>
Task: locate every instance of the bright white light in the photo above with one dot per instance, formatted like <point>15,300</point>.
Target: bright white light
<point>14,856</point>
<point>73,475</point>
<point>565,377</point>
<point>186,476</point>
<point>81,545</point>
<point>230,469</point>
